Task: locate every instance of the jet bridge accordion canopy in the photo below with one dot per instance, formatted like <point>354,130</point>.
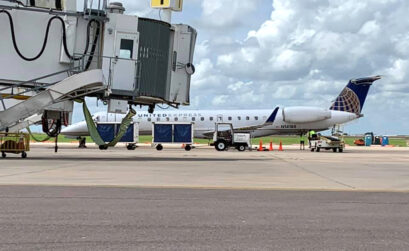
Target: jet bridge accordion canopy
<point>151,59</point>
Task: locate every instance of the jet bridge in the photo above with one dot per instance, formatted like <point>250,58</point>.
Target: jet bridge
<point>51,54</point>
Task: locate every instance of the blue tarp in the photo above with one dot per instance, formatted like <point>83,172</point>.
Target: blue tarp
<point>128,136</point>
<point>183,133</point>
<point>162,133</point>
<point>107,132</point>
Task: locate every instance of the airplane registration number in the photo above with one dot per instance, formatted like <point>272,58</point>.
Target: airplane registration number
<point>288,127</point>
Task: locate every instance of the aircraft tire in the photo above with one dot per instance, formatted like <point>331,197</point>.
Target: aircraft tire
<point>341,150</point>
<point>188,148</point>
<point>318,149</point>
<point>3,155</point>
<point>23,155</point>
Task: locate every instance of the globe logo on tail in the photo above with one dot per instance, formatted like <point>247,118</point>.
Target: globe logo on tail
<point>348,101</point>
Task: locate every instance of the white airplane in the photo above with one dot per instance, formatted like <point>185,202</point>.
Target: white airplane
<point>289,120</point>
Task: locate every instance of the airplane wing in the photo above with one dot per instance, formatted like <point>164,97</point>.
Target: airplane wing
<point>269,121</point>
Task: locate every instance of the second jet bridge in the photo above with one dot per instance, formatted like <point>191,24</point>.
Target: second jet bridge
<point>146,61</point>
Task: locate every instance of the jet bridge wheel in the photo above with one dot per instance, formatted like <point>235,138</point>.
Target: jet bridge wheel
<point>220,145</point>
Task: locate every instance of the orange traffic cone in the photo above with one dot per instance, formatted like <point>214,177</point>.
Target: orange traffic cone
<point>271,146</point>
<point>260,147</point>
<point>183,146</point>
<point>281,146</point>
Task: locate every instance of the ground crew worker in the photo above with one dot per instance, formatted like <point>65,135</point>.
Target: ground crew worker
<point>302,142</point>
<point>311,135</point>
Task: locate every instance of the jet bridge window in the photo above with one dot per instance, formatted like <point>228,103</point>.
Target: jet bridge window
<point>126,49</point>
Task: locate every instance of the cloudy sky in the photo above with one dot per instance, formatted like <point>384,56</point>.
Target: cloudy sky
<point>264,53</point>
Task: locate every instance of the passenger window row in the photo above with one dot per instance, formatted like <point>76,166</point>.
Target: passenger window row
<point>201,118</point>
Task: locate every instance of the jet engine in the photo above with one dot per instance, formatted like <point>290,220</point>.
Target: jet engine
<point>296,115</point>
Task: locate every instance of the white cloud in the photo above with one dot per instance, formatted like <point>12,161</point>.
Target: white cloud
<point>306,52</point>
<point>220,100</point>
<point>226,13</point>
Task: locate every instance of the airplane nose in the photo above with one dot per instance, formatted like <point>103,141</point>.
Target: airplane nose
<point>78,129</point>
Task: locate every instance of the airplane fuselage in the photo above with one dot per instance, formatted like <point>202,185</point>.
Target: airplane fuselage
<point>204,121</point>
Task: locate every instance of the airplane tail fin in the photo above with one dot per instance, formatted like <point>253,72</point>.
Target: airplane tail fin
<point>353,97</point>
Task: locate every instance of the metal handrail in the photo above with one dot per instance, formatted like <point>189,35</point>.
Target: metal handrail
<point>36,86</point>
<point>87,11</point>
<point>98,59</point>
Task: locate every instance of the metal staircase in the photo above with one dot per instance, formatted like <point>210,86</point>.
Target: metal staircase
<point>76,86</point>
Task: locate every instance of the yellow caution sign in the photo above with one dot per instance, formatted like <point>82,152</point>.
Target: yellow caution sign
<point>175,5</point>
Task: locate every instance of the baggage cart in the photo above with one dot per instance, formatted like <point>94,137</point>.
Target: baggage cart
<point>327,143</point>
<point>15,143</point>
<point>172,133</point>
<point>108,131</point>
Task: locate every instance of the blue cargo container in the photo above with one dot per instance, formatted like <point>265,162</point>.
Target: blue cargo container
<point>182,133</point>
<point>163,133</point>
<point>172,133</point>
<point>108,131</point>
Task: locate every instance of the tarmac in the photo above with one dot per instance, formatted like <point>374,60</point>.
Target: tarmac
<point>87,199</point>
<point>357,169</point>
<point>96,218</point>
